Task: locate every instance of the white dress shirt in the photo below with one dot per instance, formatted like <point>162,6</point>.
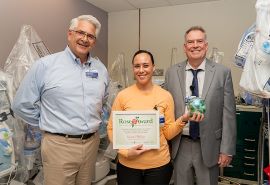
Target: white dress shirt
<point>189,78</point>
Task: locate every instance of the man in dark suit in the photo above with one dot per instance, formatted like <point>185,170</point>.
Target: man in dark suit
<point>198,158</point>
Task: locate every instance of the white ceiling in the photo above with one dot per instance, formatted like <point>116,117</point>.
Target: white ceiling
<point>122,5</point>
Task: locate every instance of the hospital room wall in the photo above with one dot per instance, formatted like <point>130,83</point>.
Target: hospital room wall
<point>50,19</point>
<point>162,29</point>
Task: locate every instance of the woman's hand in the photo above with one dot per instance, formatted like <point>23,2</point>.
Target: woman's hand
<point>197,116</point>
<point>184,118</point>
<point>136,151</point>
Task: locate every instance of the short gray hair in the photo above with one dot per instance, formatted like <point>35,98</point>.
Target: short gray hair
<point>74,22</point>
<point>196,28</point>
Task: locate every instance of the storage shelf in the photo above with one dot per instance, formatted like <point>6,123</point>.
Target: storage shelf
<point>245,164</point>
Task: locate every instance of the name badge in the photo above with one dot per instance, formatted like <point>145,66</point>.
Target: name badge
<point>91,73</point>
<point>161,120</point>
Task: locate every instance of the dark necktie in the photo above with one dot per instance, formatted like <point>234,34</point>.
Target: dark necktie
<point>194,130</point>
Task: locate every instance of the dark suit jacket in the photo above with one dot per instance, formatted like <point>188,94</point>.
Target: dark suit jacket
<point>218,129</point>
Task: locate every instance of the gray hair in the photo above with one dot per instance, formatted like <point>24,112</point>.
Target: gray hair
<point>74,22</point>
<point>196,28</point>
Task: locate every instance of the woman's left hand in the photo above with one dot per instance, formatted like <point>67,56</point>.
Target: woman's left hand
<point>197,116</point>
<point>136,150</point>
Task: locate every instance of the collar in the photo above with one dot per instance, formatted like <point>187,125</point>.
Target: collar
<point>77,60</point>
<point>201,66</point>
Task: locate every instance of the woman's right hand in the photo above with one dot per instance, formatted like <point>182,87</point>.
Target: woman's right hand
<point>136,151</point>
<point>195,117</point>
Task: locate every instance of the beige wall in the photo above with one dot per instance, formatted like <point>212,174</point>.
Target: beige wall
<point>163,28</point>
<point>123,36</point>
<point>50,19</point>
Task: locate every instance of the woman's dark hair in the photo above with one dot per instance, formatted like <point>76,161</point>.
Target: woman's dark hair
<point>143,51</point>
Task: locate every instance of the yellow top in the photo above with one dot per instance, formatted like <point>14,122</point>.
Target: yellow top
<point>131,99</point>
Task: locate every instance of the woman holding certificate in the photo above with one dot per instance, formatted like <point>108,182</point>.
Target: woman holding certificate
<point>140,164</point>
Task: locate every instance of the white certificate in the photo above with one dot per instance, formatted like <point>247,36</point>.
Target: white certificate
<point>132,128</point>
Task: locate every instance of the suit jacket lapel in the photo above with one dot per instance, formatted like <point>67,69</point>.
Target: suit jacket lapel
<point>209,74</point>
<point>182,78</point>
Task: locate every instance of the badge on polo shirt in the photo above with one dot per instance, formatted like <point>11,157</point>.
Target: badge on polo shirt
<point>91,73</point>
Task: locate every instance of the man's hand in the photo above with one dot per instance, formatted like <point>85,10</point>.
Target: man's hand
<point>224,160</point>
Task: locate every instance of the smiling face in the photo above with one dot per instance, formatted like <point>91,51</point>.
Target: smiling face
<point>143,69</point>
<point>79,40</point>
<point>195,47</point>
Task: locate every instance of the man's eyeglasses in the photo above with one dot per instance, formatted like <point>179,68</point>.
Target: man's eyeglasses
<point>83,34</point>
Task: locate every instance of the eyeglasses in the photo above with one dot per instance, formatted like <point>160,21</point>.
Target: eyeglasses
<point>83,34</point>
<point>192,42</point>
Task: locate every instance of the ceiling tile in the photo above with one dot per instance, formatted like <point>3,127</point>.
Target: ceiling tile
<point>180,2</point>
<point>148,3</point>
<point>112,5</point>
<point>123,5</point>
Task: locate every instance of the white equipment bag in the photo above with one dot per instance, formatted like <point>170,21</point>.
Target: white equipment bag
<point>256,75</point>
